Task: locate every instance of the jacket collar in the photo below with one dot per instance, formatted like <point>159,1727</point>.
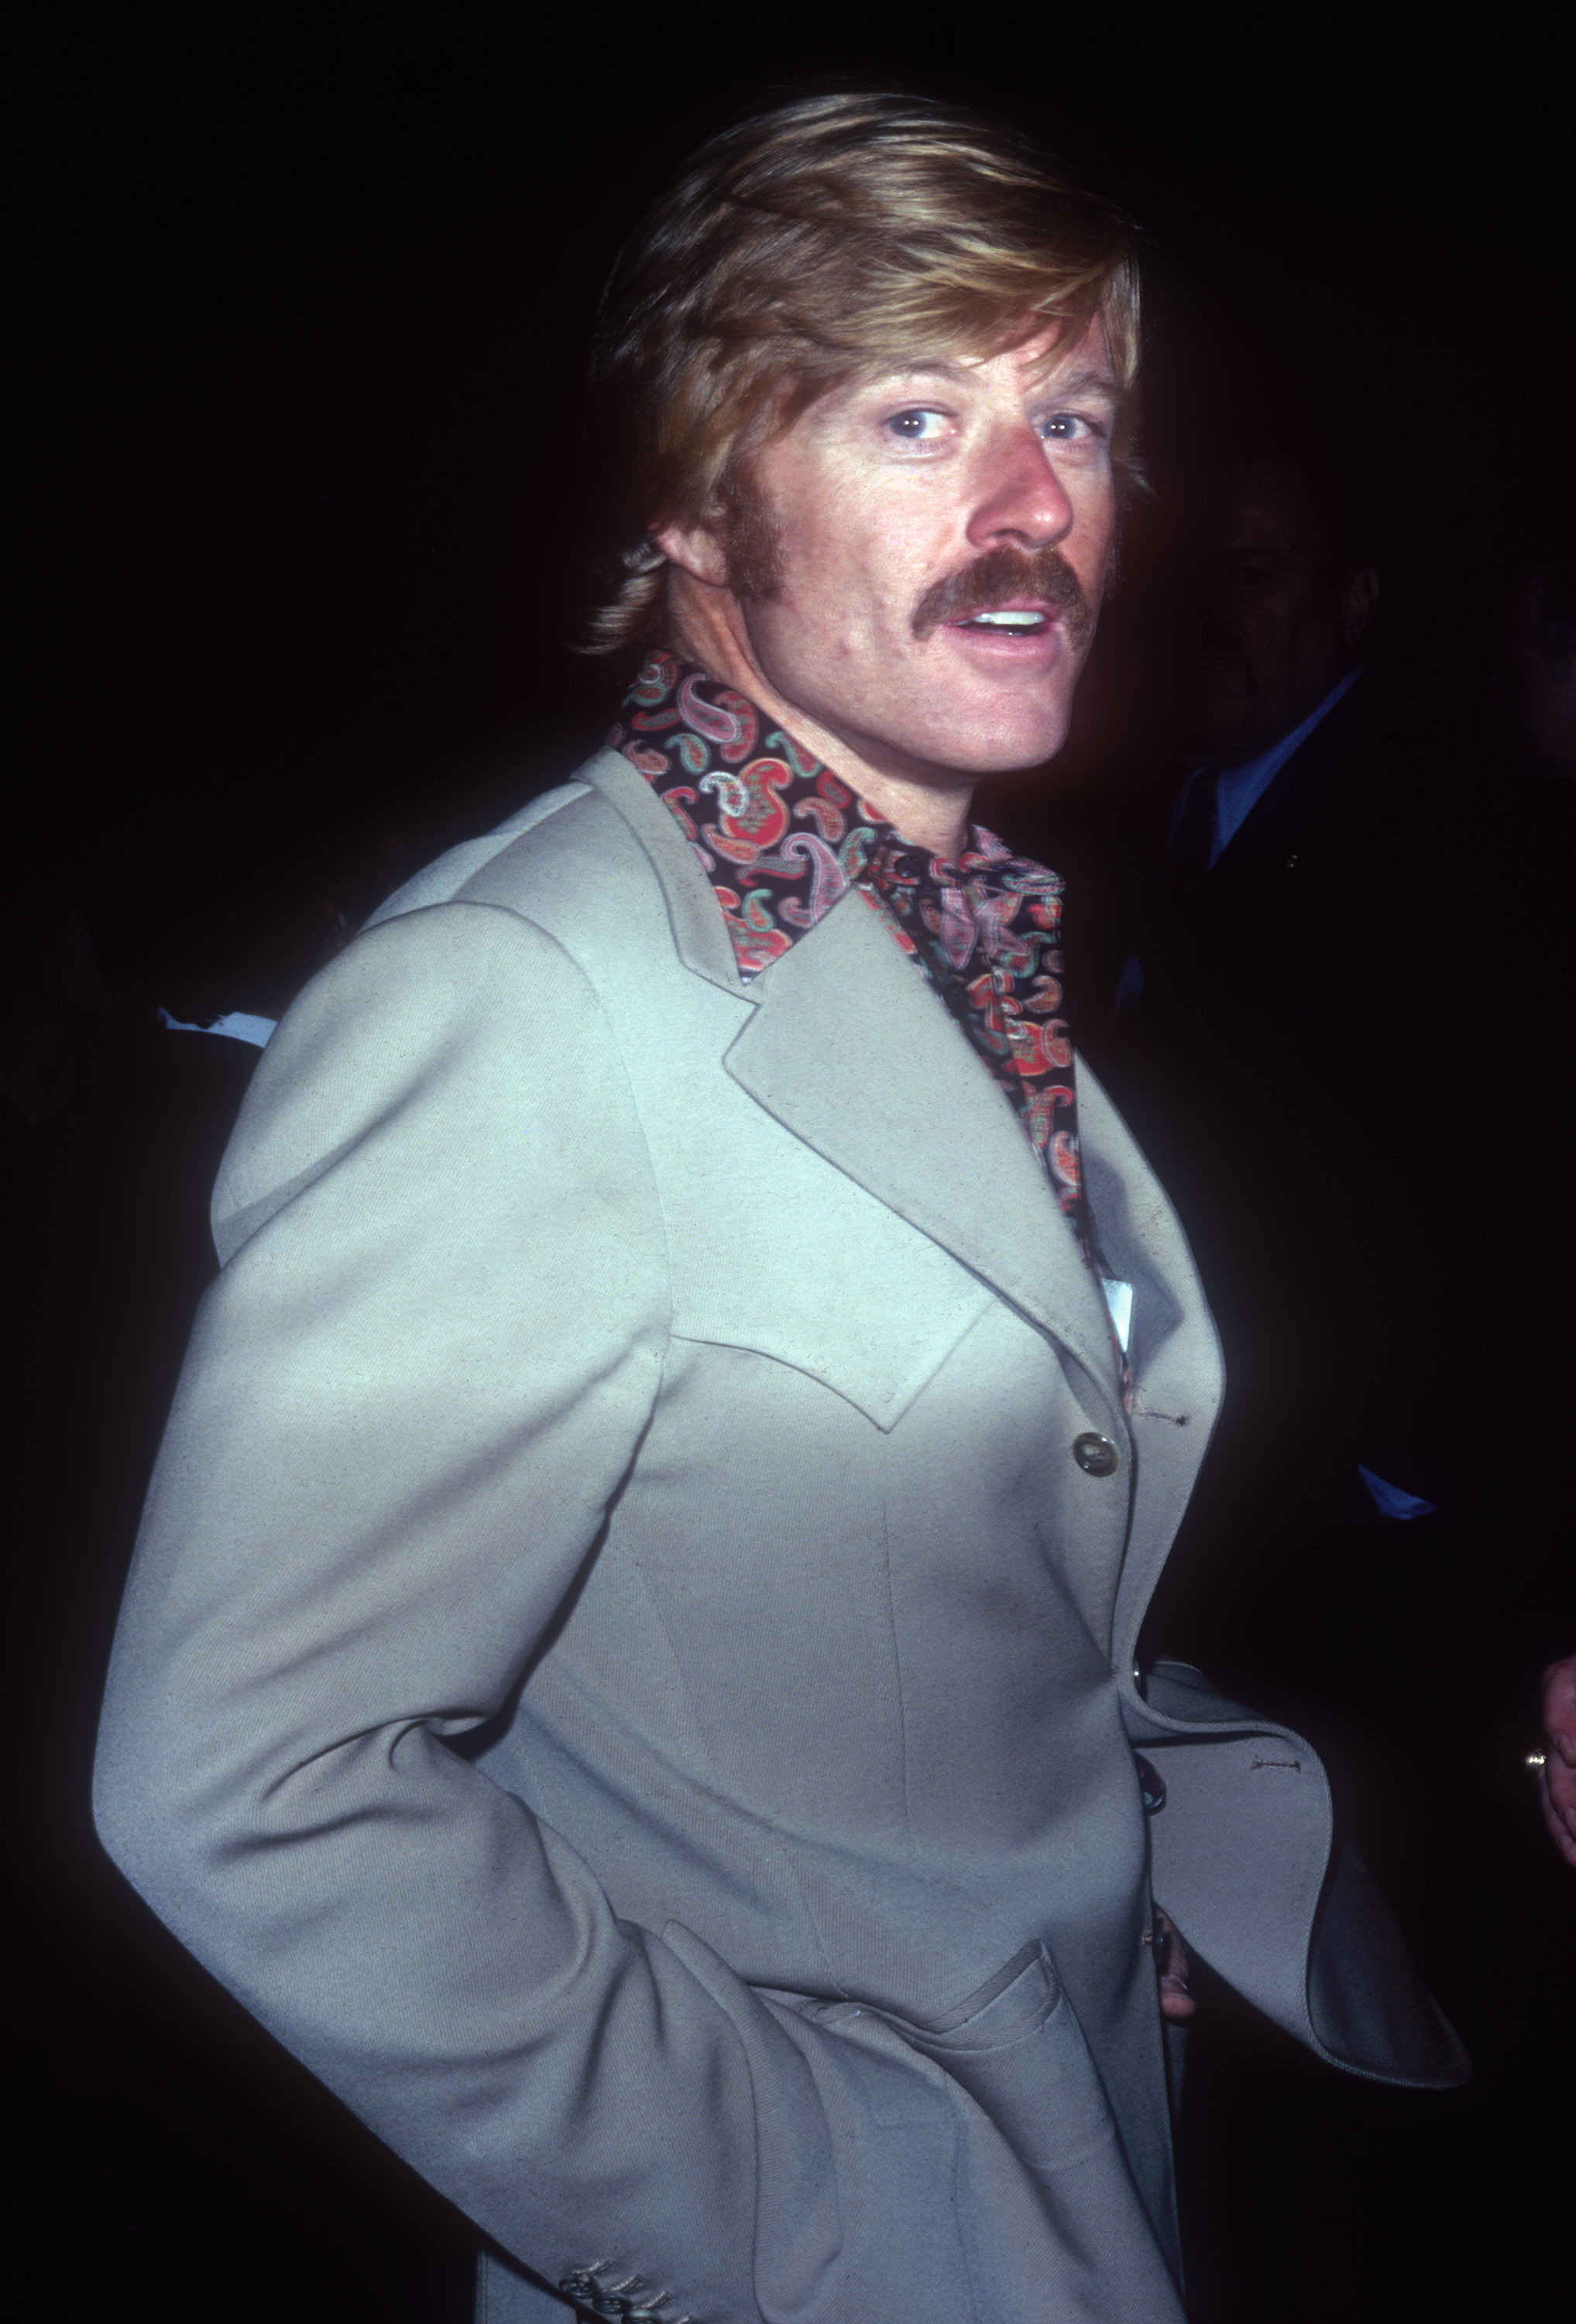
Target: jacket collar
<point>699,933</point>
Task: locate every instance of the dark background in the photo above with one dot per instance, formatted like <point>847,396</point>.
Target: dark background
<point>303,310</point>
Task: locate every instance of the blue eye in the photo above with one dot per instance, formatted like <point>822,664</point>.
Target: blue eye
<point>1068,428</point>
<point>916,426</point>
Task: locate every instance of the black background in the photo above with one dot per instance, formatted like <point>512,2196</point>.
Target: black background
<point>303,307</point>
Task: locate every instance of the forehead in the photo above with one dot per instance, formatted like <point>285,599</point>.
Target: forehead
<point>1060,346</point>
<point>1049,359</point>
<point>1050,354</point>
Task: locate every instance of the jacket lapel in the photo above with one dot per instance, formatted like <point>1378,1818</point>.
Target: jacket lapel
<point>852,1049</point>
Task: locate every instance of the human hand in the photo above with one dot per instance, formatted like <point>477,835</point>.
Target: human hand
<point>1557,1776</point>
<point>1173,1969</point>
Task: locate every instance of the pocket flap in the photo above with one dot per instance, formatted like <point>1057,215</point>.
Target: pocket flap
<point>876,1345</point>
<point>1015,2001</point>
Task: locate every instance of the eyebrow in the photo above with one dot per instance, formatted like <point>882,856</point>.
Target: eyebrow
<point>1091,381</point>
<point>1086,382</point>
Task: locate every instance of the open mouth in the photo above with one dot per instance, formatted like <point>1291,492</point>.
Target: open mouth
<point>1015,621</point>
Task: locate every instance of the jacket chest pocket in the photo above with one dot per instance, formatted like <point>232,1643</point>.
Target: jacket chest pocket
<point>875,1334</point>
<point>777,1250</point>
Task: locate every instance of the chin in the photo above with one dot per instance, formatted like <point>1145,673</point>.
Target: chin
<point>991,744</point>
<point>990,730</point>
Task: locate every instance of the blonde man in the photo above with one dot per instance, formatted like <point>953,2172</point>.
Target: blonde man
<point>629,1671</point>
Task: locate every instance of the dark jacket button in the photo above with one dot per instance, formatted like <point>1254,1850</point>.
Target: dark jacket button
<point>1096,1455</point>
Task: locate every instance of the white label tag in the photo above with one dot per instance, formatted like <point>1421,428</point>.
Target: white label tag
<point>1119,1298</point>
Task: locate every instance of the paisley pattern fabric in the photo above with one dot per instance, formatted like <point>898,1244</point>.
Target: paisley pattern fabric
<point>780,838</point>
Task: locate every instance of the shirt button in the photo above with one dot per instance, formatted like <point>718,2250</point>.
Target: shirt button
<point>1096,1455</point>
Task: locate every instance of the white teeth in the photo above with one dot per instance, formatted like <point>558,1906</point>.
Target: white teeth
<point>1007,618</point>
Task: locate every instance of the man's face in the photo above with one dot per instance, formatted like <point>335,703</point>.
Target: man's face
<point>942,535</point>
<point>1286,619</point>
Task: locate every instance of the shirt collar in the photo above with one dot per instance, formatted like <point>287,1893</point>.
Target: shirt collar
<point>1240,788</point>
<point>778,835</point>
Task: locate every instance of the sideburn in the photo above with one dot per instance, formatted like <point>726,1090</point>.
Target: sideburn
<point>751,544</point>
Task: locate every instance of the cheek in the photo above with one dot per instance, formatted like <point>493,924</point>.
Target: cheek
<point>1090,547</point>
<point>855,579</point>
<point>821,556</point>
<point>1096,518</point>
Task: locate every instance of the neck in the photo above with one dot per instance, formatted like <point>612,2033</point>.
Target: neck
<point>928,806</point>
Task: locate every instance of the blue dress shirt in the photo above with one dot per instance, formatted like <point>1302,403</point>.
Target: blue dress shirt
<point>1238,789</point>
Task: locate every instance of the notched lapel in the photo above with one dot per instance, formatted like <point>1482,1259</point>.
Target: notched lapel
<point>853,1050</point>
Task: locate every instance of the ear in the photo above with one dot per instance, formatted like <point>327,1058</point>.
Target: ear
<point>696,550</point>
<point>1358,598</point>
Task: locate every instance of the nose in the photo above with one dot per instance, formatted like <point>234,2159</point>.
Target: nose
<point>1020,500</point>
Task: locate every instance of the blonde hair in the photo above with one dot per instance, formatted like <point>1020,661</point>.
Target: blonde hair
<point>828,238</point>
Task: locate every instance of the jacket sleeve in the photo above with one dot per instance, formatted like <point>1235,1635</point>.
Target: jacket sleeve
<point>410,1397</point>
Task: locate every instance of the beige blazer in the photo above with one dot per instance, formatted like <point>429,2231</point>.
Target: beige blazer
<point>622,1672</point>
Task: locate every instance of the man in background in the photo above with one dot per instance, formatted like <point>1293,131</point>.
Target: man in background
<point>1343,1037</point>
<point>1276,1030</point>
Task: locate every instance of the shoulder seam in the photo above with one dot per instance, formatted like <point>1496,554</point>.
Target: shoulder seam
<point>512,917</point>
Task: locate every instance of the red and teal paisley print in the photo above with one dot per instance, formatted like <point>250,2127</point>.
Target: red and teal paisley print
<point>780,838</point>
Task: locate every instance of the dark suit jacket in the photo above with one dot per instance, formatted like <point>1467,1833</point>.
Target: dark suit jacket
<point>1282,1057</point>
<point>1349,1066</point>
<point>1302,1068</point>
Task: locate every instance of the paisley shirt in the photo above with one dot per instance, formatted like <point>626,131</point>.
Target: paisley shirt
<point>780,838</point>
